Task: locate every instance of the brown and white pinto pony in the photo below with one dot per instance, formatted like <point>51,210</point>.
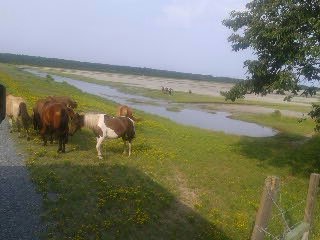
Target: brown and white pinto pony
<point>37,109</point>
<point>16,111</point>
<point>105,126</point>
<point>55,121</point>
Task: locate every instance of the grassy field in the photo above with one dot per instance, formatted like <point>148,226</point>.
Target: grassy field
<point>180,182</point>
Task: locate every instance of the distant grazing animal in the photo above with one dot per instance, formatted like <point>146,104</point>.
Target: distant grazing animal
<point>105,126</point>
<point>37,109</point>
<point>16,110</point>
<point>125,111</point>
<point>55,121</point>
<point>167,90</point>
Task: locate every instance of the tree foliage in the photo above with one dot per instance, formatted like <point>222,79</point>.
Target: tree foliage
<point>285,37</point>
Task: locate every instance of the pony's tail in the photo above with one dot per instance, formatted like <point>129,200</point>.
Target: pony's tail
<point>23,113</point>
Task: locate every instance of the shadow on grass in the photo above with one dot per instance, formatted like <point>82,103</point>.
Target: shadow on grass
<point>301,154</point>
<point>114,202</point>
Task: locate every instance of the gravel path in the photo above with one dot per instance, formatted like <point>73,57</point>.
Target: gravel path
<point>20,205</point>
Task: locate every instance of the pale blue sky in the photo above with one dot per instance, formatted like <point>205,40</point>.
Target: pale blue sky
<point>180,35</point>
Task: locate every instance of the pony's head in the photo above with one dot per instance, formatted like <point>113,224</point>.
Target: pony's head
<point>72,104</point>
<point>77,122</point>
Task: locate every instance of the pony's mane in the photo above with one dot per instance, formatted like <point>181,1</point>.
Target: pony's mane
<point>90,120</point>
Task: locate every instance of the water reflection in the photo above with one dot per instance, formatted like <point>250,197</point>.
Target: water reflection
<point>218,121</point>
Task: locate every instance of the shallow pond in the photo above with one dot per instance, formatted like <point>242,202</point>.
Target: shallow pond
<point>218,121</point>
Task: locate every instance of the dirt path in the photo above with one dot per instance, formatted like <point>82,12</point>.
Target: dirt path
<point>20,205</point>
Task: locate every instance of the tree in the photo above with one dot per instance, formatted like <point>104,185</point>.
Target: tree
<point>285,37</point>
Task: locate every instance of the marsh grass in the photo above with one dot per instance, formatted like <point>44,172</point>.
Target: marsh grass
<point>180,182</point>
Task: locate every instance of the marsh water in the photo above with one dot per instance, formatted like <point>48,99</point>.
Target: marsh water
<point>218,121</point>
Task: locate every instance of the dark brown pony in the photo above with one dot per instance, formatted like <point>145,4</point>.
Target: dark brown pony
<point>55,120</point>
<point>37,109</point>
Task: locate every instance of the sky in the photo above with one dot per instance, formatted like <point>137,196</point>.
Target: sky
<point>178,35</point>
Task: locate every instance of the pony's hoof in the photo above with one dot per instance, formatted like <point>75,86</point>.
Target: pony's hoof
<point>59,151</point>
<point>100,157</point>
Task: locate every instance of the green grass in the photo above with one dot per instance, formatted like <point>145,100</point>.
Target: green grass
<point>282,123</point>
<point>180,182</point>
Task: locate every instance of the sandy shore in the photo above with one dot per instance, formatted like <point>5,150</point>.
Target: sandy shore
<point>183,85</point>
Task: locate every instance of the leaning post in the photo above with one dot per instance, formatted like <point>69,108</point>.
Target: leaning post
<point>269,195</point>
<point>311,201</point>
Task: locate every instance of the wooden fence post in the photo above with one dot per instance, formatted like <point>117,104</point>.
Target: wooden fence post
<point>311,200</point>
<point>269,195</point>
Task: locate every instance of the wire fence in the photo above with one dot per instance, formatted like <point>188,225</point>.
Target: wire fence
<point>283,225</point>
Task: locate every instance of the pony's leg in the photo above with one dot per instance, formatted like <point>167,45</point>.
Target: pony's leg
<point>43,134</point>
<point>64,141</point>
<point>19,127</point>
<point>44,138</point>
<point>60,144</point>
<point>10,124</point>
<point>98,146</point>
<point>35,122</point>
<point>129,148</point>
<point>124,146</point>
<point>28,136</point>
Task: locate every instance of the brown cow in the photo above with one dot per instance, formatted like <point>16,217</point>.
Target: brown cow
<point>55,120</point>
<point>37,109</point>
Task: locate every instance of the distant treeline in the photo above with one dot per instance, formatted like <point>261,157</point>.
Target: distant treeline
<point>71,64</point>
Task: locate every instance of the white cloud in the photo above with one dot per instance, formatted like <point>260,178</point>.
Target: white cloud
<point>183,13</point>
